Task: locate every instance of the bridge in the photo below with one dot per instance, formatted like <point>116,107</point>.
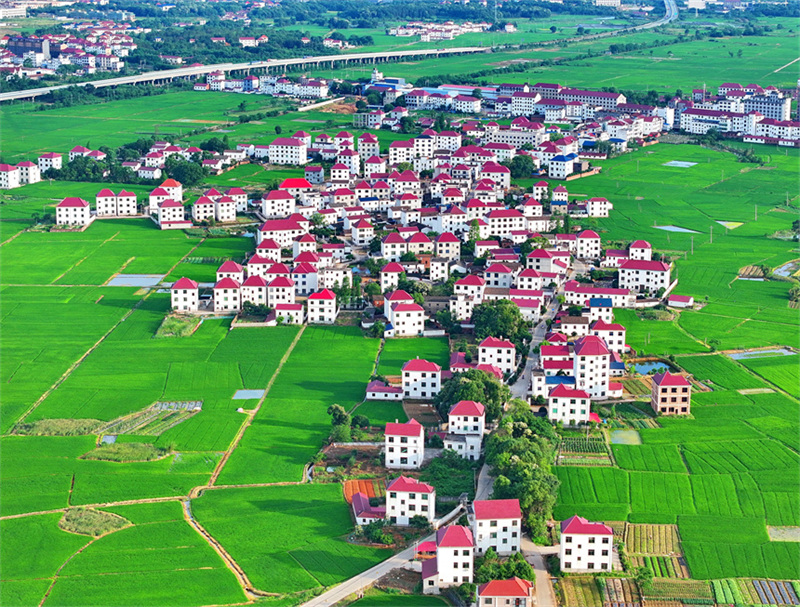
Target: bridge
<point>191,72</point>
<point>186,73</point>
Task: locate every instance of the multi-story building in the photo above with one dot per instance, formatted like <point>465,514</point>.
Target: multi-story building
<point>586,546</point>
<point>466,423</point>
<point>591,366</point>
<point>73,211</point>
<point>496,524</point>
<point>185,295</point>
<point>406,498</point>
<point>422,379</point>
<point>502,593</point>
<point>498,352</point>
<point>671,394</point>
<point>644,276</point>
<point>404,445</point>
<point>322,307</point>
<point>569,406</point>
<point>453,563</point>
<point>287,150</point>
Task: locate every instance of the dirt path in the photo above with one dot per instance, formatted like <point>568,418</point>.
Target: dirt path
<point>78,362</point>
<point>250,415</point>
<point>237,571</point>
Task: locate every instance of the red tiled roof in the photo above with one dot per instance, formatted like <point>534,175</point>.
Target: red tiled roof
<point>515,587</point>
<point>668,379</point>
<point>184,283</point>
<point>406,483</point>
<point>227,283</point>
<point>468,407</point>
<point>652,266</point>
<point>590,345</point>
<point>454,536</point>
<point>496,509</point>
<point>325,294</point>
<point>578,524</point>
<point>562,391</point>
<point>410,428</point>
<point>420,364</point>
<point>494,342</point>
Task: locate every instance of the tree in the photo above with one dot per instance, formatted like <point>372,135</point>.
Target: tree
<point>373,289</point>
<point>338,415</point>
<point>419,522</point>
<point>501,318</point>
<point>477,93</point>
<point>473,385</point>
<point>361,105</point>
<point>377,329</point>
<point>278,129</point>
<point>409,256</point>
<point>553,29</point>
<point>521,166</point>
<point>360,421</point>
<point>188,173</point>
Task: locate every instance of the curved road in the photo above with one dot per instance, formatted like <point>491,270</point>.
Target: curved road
<point>190,72</point>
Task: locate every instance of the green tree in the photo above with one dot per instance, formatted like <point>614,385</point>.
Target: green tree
<point>338,415</point>
<point>501,318</point>
<point>473,385</point>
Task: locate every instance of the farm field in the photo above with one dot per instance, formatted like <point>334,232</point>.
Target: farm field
<point>396,352</point>
<point>739,314</point>
<point>29,133</point>
<point>783,371</point>
<point>293,421</point>
<point>381,412</point>
<point>721,371</point>
<point>287,539</point>
<point>679,65</point>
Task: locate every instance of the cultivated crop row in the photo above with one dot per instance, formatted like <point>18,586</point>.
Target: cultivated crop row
<point>581,592</point>
<point>694,591</point>
<point>662,566</point>
<point>652,539</point>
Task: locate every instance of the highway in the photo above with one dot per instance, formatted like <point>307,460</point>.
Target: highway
<point>194,72</point>
<point>161,76</point>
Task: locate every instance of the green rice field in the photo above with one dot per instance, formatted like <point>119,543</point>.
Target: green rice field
<point>305,526</point>
<point>397,352</point>
<point>783,371</point>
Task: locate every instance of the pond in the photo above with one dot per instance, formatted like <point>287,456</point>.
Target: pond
<point>676,229</point>
<point>646,367</point>
<point>788,269</point>
<point>761,354</point>
<point>248,394</point>
<point>136,280</point>
<point>625,437</point>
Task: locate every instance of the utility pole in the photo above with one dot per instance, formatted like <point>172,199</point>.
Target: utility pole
<point>692,237</point>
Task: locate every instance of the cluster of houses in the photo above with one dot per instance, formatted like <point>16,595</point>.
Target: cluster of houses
<point>754,113</point>
<point>429,32</point>
<point>278,86</point>
<point>448,560</point>
<point>101,48</point>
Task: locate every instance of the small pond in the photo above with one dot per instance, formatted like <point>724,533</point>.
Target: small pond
<point>625,437</point>
<point>676,229</point>
<point>645,368</point>
<point>136,280</point>
<point>761,354</point>
<point>788,269</point>
<point>248,394</point>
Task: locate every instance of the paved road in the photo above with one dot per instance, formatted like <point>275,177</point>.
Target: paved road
<point>545,596</point>
<point>364,580</point>
<point>201,70</point>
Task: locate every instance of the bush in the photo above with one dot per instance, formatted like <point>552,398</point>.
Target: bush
<point>341,434</point>
<point>360,421</point>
